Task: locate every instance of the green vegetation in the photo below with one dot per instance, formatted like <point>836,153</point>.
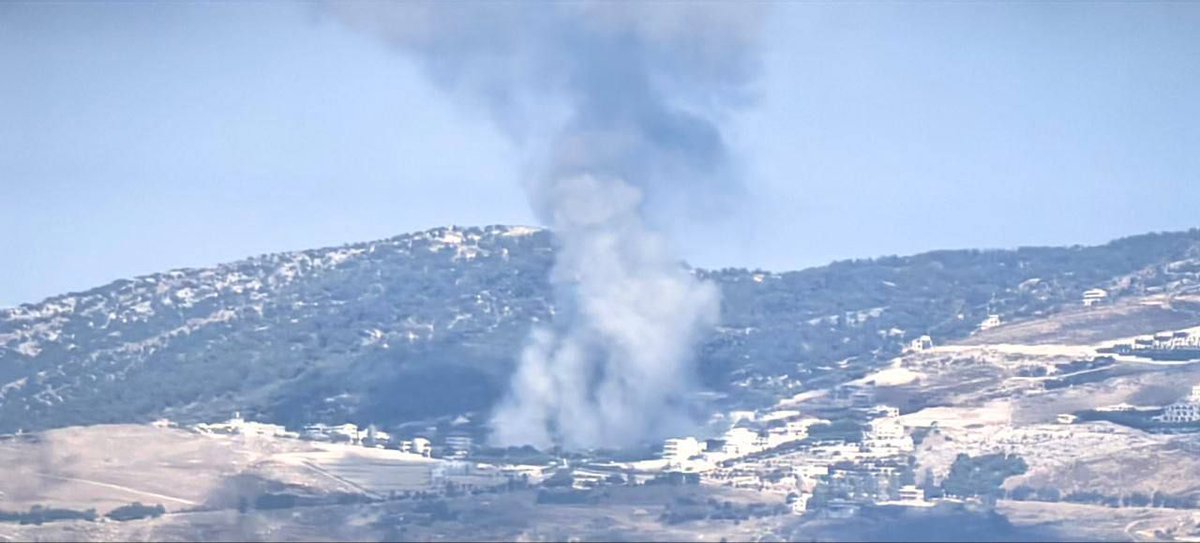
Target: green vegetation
<point>981,476</point>
<point>406,329</point>
<point>39,514</point>
<point>136,511</point>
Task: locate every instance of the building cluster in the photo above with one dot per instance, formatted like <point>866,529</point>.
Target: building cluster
<point>455,446</point>
<point>772,454</point>
<point>1168,341</point>
<point>239,426</point>
<point>1186,410</point>
<point>347,433</point>
<point>1179,345</point>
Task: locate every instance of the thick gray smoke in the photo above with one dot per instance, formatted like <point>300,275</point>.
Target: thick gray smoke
<point>618,104</point>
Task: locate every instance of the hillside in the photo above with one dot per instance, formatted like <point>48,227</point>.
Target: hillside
<point>426,325</point>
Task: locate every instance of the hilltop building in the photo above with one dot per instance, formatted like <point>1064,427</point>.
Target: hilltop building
<point>340,433</point>
<point>992,321</point>
<point>238,425</point>
<point>376,438</point>
<point>417,445</point>
<point>920,344</point>
<point>1094,296</point>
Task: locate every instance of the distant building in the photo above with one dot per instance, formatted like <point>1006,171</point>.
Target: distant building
<point>886,435</point>
<point>799,503</point>
<point>1185,411</point>
<point>582,479</point>
<point>912,493</point>
<point>920,344</point>
<point>992,321</point>
<point>1094,296</point>
<point>459,446</point>
<point>1066,418</point>
<point>376,437</point>
<point>676,450</point>
<point>238,425</point>
<point>740,442</point>
<point>421,446</point>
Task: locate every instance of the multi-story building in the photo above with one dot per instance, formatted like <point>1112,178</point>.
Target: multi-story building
<point>458,446</point>
<point>1184,411</point>
<point>1094,296</point>
<point>679,449</point>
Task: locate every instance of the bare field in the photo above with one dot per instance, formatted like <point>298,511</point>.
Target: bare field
<point>103,467</point>
<point>1088,326</point>
<point>624,514</point>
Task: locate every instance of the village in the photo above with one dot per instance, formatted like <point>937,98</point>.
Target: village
<point>780,452</point>
<point>830,453</point>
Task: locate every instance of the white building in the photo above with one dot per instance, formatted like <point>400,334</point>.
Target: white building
<point>523,472</point>
<point>740,442</point>
<point>679,449</point>
<point>1180,412</point>
<point>911,493</point>
<point>341,433</point>
<point>920,344</point>
<point>582,479</point>
<point>887,435</point>
<point>799,503</point>
<point>1094,296</point>
<point>240,426</point>
<point>421,446</point>
<point>1187,410</point>
<point>992,321</point>
<point>459,445</point>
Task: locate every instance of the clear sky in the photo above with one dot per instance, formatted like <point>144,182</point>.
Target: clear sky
<point>137,137</point>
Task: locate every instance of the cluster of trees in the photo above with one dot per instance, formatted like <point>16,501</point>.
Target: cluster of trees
<point>39,514</point>
<point>981,476</point>
<point>686,509</point>
<point>136,511</point>
<point>1134,499</point>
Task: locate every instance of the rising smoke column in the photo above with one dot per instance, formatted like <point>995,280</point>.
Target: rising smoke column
<point>618,105</point>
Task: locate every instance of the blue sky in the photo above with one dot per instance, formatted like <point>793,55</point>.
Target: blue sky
<point>138,137</point>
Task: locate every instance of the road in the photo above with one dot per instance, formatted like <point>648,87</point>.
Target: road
<point>154,495</point>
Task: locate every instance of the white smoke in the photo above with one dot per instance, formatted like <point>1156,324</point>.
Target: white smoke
<point>618,370</point>
<point>640,86</point>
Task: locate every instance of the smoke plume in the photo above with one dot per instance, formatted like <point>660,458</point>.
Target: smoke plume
<point>618,105</point>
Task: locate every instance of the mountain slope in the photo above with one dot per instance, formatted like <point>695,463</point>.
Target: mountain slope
<point>427,325</point>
